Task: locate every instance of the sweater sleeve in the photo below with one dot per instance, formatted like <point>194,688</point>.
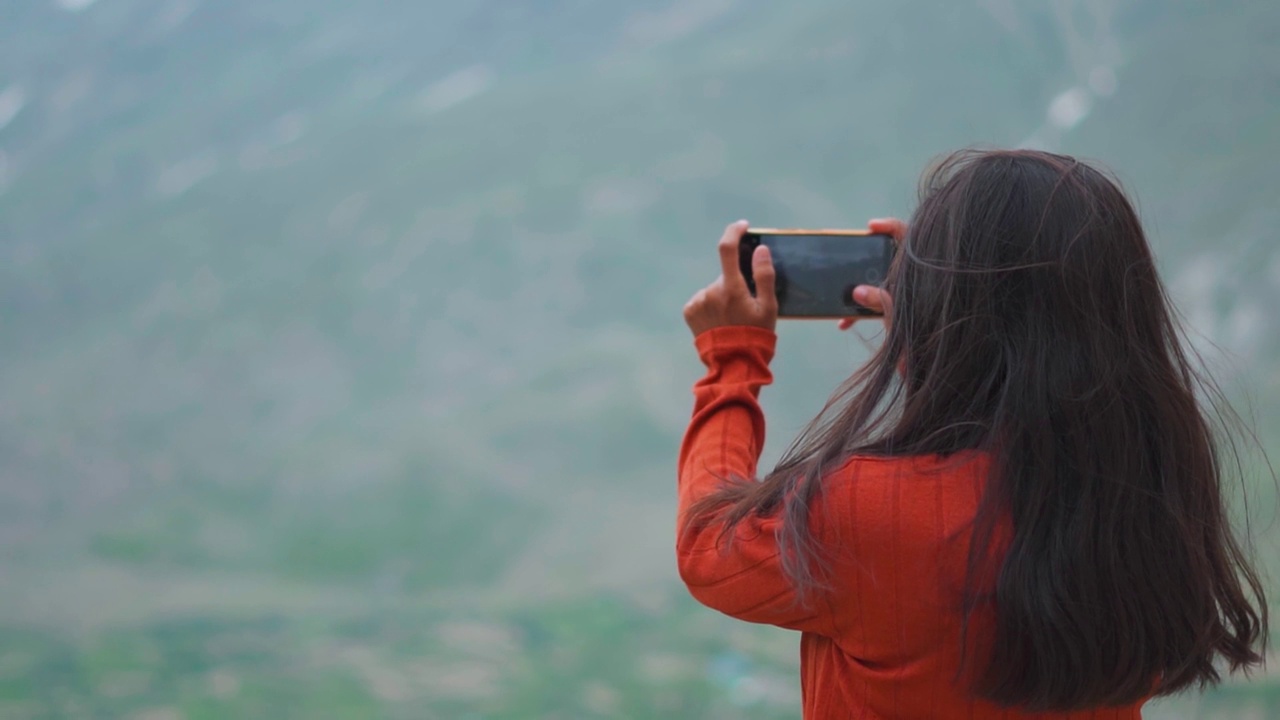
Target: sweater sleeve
<point>742,578</point>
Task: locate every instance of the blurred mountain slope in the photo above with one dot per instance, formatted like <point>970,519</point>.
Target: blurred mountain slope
<point>385,296</point>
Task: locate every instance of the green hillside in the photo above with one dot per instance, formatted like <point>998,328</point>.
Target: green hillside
<point>344,367</point>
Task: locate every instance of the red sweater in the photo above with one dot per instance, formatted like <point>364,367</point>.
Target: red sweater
<point>884,641</point>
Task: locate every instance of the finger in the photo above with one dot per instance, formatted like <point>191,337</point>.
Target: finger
<point>729,266</point>
<point>846,323</point>
<point>765,275</point>
<point>714,291</point>
<point>892,227</point>
<point>872,298</point>
<point>695,302</point>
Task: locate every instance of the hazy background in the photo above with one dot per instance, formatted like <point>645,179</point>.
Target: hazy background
<point>343,367</point>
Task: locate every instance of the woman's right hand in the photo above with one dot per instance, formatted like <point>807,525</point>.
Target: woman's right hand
<point>871,296</point>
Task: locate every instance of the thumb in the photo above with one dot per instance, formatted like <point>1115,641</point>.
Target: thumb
<point>893,227</point>
<point>766,279</point>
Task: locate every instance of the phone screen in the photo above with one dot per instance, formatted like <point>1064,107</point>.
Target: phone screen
<point>817,270</point>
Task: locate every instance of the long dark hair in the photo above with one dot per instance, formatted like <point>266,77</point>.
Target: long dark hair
<point>1029,323</point>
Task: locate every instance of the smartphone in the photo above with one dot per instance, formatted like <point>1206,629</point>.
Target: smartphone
<point>817,270</point>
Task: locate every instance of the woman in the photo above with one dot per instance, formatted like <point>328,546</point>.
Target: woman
<point>1015,507</point>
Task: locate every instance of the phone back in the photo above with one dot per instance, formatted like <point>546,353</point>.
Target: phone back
<point>817,270</point>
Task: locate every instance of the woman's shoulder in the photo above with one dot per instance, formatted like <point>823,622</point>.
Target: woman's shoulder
<point>894,477</point>
<point>918,495</point>
<point>965,463</point>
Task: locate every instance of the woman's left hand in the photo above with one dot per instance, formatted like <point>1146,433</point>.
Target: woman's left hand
<point>728,301</point>
<point>870,296</point>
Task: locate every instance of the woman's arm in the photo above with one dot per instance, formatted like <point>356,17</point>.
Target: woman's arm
<point>733,331</point>
<point>742,578</point>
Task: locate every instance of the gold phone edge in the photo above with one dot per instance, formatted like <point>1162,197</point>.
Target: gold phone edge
<point>801,231</point>
<point>876,316</point>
